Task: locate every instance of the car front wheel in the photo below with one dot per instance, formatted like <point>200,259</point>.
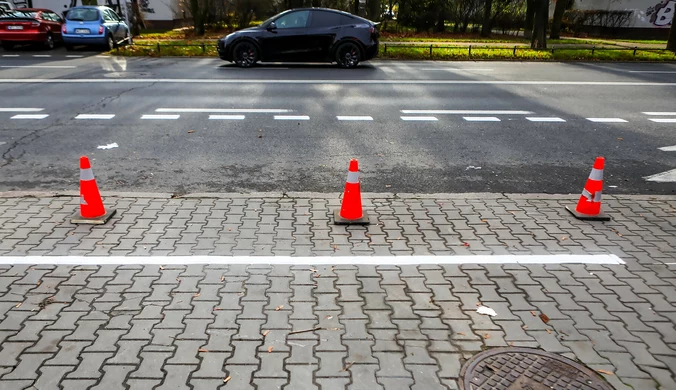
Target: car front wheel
<point>110,43</point>
<point>348,55</point>
<point>245,54</point>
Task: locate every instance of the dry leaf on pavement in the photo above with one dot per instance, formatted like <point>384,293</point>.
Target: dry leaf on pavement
<point>279,307</point>
<point>266,333</point>
<point>270,349</point>
<point>18,305</point>
<point>191,131</point>
<point>202,350</point>
<point>533,313</point>
<point>605,372</point>
<point>544,318</point>
<point>226,380</point>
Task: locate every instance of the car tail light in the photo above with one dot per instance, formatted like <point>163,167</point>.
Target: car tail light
<point>63,29</point>
<point>100,29</point>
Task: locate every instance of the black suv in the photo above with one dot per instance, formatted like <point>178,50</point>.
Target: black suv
<point>304,35</point>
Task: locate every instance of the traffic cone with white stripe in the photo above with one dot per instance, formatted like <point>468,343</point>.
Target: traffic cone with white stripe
<point>589,206</point>
<point>91,205</point>
<point>351,212</point>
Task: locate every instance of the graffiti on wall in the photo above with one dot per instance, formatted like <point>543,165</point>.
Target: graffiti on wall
<point>662,14</point>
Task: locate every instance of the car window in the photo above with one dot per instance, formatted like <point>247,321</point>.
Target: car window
<point>325,19</point>
<point>107,16</point>
<point>293,20</point>
<point>115,15</point>
<point>19,15</point>
<point>55,17</point>
<point>83,14</point>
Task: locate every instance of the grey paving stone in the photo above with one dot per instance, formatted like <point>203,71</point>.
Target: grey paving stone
<point>177,376</point>
<point>151,365</point>
<point>90,366</point>
<point>51,377</point>
<point>301,378</point>
<point>396,383</point>
<point>114,377</point>
<point>28,366</point>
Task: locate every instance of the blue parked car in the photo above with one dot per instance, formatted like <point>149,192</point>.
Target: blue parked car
<point>92,25</point>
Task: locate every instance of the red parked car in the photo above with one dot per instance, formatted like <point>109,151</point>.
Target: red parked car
<point>30,26</point>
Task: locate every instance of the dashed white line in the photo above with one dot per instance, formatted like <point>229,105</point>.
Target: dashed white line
<point>42,55</point>
<point>652,71</point>
<point>354,118</point>
<point>663,120</point>
<point>20,109</point>
<point>466,112</point>
<point>10,55</point>
<point>459,69</point>
<point>292,117</point>
<point>30,116</point>
<point>317,260</point>
<point>95,116</point>
<point>545,119</point>
<point>387,69</point>
<point>419,118</point>
<point>226,117</point>
<point>668,148</point>
<point>227,110</point>
<point>661,113</point>
<point>40,66</point>
<point>481,119</point>
<point>607,120</point>
<point>160,117</point>
<point>74,56</point>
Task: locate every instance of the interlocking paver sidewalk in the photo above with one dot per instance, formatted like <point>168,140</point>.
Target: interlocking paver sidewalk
<point>379,327</point>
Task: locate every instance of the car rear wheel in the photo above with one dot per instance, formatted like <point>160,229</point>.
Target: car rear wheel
<point>110,43</point>
<point>245,54</point>
<point>348,55</point>
<point>49,42</point>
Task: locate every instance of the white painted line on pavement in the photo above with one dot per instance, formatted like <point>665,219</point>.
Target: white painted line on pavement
<point>20,109</point>
<point>660,113</point>
<point>30,116</point>
<point>607,120</point>
<point>74,56</point>
<point>545,119</point>
<point>387,69</point>
<point>292,117</point>
<point>663,120</point>
<point>354,118</point>
<point>459,69</point>
<point>42,55</point>
<point>318,260</point>
<point>663,177</point>
<point>337,82</point>
<point>95,116</point>
<point>227,117</point>
<point>652,71</point>
<point>668,148</point>
<point>466,112</point>
<point>160,116</point>
<point>40,66</point>
<point>227,110</point>
<point>10,55</point>
<point>481,119</point>
<point>419,118</point>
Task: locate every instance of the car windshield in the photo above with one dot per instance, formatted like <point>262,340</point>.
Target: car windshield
<point>83,14</point>
<point>19,15</point>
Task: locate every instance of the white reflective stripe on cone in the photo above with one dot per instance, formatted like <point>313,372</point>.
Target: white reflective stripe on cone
<point>353,177</point>
<point>587,195</point>
<point>86,174</point>
<point>597,196</point>
<point>596,174</point>
<point>83,201</point>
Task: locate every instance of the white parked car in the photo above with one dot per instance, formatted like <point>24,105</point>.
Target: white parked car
<point>6,6</point>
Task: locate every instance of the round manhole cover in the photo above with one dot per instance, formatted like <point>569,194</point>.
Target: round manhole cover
<point>525,368</point>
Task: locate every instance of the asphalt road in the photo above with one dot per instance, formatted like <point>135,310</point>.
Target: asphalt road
<point>200,125</point>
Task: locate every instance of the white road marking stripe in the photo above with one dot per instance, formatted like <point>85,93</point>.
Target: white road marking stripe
<point>292,117</point>
<point>10,55</point>
<point>481,119</point>
<point>607,120</point>
<point>545,119</point>
<point>227,117</point>
<point>337,82</point>
<point>663,120</point>
<point>387,69</point>
<point>419,118</point>
<point>20,109</point>
<point>317,260</point>
<point>660,113</point>
<point>42,55</point>
<point>30,116</point>
<point>160,116</point>
<point>227,110</point>
<point>652,71</point>
<point>668,148</point>
<point>354,118</point>
<point>95,116</point>
<point>663,177</point>
<point>74,56</point>
<point>40,66</point>
<point>466,112</point>
<point>459,69</point>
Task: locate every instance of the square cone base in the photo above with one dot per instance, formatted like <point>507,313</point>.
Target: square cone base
<point>77,219</point>
<point>585,217</point>
<point>338,220</point>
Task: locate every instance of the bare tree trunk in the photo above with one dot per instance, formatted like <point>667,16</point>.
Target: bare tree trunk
<point>530,16</point>
<point>486,27</point>
<point>671,43</point>
<point>136,12</point>
<point>559,10</point>
<point>197,17</point>
<point>539,40</point>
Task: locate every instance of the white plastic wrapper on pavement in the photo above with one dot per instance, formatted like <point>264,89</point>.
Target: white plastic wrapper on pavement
<point>109,146</point>
<point>486,310</point>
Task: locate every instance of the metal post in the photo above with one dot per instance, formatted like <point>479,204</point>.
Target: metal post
<point>385,51</point>
<point>158,48</point>
<point>204,49</point>
<point>514,52</point>
<point>470,50</point>
<point>593,48</point>
<point>430,51</point>
<point>635,50</point>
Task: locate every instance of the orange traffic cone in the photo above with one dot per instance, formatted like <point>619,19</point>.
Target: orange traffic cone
<point>351,212</point>
<point>589,206</point>
<point>91,204</point>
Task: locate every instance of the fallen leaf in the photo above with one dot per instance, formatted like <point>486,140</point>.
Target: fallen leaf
<point>388,185</point>
<point>196,295</point>
<point>191,131</point>
<point>511,343</point>
<point>605,372</point>
<point>487,336</point>
<point>478,303</point>
<point>18,305</point>
<point>347,366</point>
<point>524,327</point>
<point>39,282</point>
<point>229,229</point>
<point>620,139</point>
<point>266,333</point>
<point>223,278</point>
<point>544,318</point>
<point>564,238</point>
<point>329,317</point>
<point>161,267</point>
<point>461,333</point>
<point>533,313</point>
<point>279,307</point>
<point>217,308</point>
<point>549,331</point>
<point>202,350</point>
<point>270,349</point>
<point>226,380</point>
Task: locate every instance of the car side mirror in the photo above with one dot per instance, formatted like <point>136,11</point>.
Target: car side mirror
<point>272,26</point>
